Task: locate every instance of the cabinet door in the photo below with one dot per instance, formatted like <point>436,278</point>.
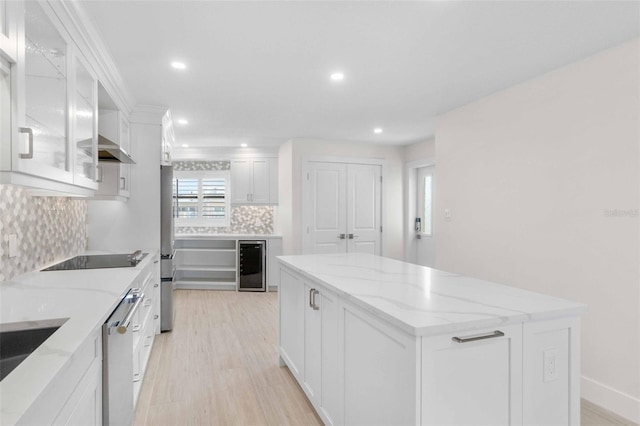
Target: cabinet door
<point>6,128</point>
<point>260,182</point>
<point>44,150</point>
<point>292,302</point>
<point>473,377</point>
<point>241,179</point>
<point>312,342</point>
<point>124,182</point>
<point>85,125</point>
<point>328,303</point>
<point>273,181</point>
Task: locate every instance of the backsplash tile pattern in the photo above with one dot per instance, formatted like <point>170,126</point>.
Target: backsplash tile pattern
<point>193,166</point>
<point>47,229</point>
<point>244,220</point>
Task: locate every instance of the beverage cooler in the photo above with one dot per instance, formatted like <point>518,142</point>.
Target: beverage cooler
<point>251,266</point>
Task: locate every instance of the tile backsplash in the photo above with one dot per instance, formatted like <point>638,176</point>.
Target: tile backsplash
<point>244,220</point>
<point>47,229</point>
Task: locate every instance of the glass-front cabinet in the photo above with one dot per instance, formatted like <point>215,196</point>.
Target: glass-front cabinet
<point>85,137</point>
<point>53,91</point>
<point>46,106</point>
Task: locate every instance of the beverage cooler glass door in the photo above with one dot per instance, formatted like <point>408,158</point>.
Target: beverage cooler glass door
<point>251,266</point>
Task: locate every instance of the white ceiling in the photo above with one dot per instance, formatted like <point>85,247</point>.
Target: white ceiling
<point>258,72</point>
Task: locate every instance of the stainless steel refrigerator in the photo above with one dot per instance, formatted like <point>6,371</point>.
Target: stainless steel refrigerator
<point>166,248</point>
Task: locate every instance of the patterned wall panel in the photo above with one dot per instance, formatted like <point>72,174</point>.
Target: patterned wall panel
<point>200,165</point>
<point>47,229</point>
<point>244,220</point>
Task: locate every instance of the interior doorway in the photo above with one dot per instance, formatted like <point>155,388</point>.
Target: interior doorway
<point>341,208</point>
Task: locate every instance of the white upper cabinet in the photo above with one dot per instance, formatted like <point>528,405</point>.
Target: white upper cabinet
<point>114,177</point>
<point>85,136</point>
<point>49,142</point>
<point>253,181</point>
<point>168,139</point>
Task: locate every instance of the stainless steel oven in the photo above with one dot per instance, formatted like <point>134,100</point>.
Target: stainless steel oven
<point>117,361</point>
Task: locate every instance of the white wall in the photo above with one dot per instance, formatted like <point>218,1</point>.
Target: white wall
<point>291,155</point>
<point>531,174</point>
<point>116,225</point>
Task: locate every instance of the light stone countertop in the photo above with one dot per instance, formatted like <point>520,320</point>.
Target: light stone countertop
<point>226,236</point>
<point>87,297</point>
<point>424,301</point>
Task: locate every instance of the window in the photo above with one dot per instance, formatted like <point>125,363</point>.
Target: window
<point>426,207</point>
<point>201,198</point>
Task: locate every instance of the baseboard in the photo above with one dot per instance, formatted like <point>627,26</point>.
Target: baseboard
<point>611,399</point>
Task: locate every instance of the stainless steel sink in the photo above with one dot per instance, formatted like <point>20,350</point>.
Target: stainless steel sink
<point>19,339</point>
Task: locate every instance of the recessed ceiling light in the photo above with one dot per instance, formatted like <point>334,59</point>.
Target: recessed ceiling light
<point>178,65</point>
<point>185,145</point>
<point>377,130</point>
<point>244,145</point>
<point>337,76</point>
<point>183,121</point>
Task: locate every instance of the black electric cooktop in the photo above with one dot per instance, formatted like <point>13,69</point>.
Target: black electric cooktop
<point>98,261</point>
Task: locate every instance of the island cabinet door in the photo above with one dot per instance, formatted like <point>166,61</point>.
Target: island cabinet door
<point>292,305</point>
<point>379,374</point>
<point>321,351</point>
<point>473,378</point>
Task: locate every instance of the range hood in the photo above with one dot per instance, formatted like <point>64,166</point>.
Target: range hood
<point>111,151</point>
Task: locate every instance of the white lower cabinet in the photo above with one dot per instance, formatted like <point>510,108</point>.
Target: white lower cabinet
<point>292,306</point>
<point>84,406</point>
<point>359,369</point>
<point>309,340</point>
<point>321,350</point>
<point>483,377</point>
<point>75,397</point>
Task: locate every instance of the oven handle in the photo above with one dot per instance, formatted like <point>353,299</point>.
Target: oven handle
<point>124,324</point>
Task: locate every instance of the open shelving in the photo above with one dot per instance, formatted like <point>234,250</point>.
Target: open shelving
<point>206,264</point>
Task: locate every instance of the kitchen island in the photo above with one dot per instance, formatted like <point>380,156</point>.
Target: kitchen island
<point>373,340</point>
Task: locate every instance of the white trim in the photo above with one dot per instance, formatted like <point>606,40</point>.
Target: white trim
<point>148,114</point>
<point>85,35</point>
<point>611,399</point>
<point>410,181</point>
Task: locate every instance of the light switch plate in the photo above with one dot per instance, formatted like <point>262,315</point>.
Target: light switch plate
<point>13,245</point>
<point>448,215</point>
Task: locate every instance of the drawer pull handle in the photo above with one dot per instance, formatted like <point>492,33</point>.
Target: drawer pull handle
<point>496,333</point>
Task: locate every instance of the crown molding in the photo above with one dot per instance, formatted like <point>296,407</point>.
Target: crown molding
<point>95,51</point>
<point>148,114</point>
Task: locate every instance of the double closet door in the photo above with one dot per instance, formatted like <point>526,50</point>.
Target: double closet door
<point>342,205</point>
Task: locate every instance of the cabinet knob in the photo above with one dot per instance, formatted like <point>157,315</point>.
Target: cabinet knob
<point>156,316</point>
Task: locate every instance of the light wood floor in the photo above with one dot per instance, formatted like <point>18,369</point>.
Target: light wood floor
<point>219,366</point>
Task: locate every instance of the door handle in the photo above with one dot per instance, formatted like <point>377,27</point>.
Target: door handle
<point>311,290</point>
<point>124,183</point>
<point>351,236</point>
<point>342,236</point>
<point>28,131</point>
<point>314,292</point>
